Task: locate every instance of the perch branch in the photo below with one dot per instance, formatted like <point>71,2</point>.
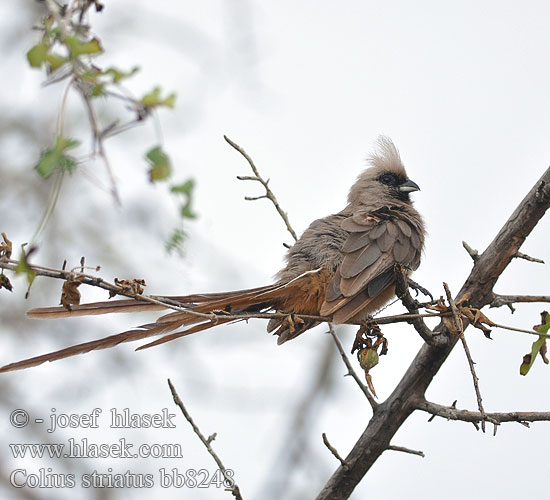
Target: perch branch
<point>402,291</point>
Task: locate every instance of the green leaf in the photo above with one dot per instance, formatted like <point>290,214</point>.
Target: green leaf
<point>154,99</point>
<point>38,54</point>
<point>98,90</point>
<point>160,166</point>
<point>55,61</point>
<point>78,48</point>
<point>56,158</point>
<point>186,190</point>
<point>175,243</point>
<point>23,267</point>
<point>119,75</point>
<point>539,346</point>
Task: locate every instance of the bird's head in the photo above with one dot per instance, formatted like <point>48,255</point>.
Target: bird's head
<point>385,180</point>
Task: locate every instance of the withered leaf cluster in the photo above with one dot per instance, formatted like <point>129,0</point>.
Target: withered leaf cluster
<point>5,253</point>
<point>129,287</point>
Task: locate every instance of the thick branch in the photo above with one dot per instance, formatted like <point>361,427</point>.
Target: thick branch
<point>478,291</point>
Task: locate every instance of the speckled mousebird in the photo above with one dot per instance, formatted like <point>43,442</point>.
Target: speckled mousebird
<point>342,267</point>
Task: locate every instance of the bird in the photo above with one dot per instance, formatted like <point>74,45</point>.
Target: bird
<point>343,268</point>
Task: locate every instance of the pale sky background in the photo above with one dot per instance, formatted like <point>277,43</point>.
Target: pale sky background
<point>305,87</point>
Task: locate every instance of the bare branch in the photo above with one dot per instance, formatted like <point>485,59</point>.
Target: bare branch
<point>460,330</point>
<point>406,450</point>
<point>351,371</point>
<point>520,255</point>
<point>234,489</point>
<point>453,413</point>
<point>258,178</point>
<point>508,300</point>
<point>334,451</point>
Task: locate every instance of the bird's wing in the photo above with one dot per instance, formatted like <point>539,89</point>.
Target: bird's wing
<point>377,241</point>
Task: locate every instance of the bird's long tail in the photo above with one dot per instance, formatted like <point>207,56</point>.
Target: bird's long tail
<point>250,300</point>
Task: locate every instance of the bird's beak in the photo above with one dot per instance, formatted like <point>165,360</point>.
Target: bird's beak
<point>409,186</point>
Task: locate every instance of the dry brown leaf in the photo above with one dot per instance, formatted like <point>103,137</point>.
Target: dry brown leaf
<point>5,282</point>
<point>129,287</point>
<point>70,296</point>
<point>5,247</point>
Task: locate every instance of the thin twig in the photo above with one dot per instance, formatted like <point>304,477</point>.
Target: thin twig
<point>98,141</point>
<point>406,450</point>
<point>524,256</point>
<point>334,451</point>
<point>460,329</point>
<point>234,489</point>
<point>351,371</point>
<point>268,193</point>
<point>453,413</point>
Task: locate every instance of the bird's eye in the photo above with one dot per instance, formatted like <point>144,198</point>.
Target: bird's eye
<point>388,179</point>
